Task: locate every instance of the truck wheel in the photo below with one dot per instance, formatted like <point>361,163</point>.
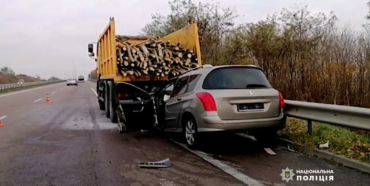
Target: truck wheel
<point>106,99</point>
<point>112,104</point>
<point>101,103</point>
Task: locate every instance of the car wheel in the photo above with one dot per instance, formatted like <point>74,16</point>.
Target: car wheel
<point>190,132</point>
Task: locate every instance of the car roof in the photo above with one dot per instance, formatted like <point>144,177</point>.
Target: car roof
<point>207,69</point>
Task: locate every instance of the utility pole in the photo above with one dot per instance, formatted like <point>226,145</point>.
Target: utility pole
<point>73,70</point>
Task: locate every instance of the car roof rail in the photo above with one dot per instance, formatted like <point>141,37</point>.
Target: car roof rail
<point>198,67</point>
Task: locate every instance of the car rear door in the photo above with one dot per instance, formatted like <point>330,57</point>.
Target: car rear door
<point>242,93</point>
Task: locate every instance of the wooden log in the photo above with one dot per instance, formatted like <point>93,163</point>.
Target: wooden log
<point>144,49</point>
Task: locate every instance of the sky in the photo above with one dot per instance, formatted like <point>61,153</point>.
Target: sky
<point>49,37</point>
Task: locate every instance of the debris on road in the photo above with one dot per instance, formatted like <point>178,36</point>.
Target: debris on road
<point>269,151</point>
<point>290,149</point>
<point>159,164</point>
<point>324,146</point>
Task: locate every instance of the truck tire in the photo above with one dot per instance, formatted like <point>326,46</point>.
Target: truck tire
<point>106,99</point>
<point>112,104</point>
<point>101,103</point>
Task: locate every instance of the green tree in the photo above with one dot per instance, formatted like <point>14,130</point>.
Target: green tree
<point>213,23</point>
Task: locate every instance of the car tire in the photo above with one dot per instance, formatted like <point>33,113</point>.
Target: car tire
<point>112,107</point>
<point>190,130</point>
<point>106,99</point>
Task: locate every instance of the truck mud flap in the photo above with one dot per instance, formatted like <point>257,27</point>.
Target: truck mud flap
<point>136,112</point>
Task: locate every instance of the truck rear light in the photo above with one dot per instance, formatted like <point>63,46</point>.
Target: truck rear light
<point>123,95</point>
<point>281,100</point>
<point>207,100</point>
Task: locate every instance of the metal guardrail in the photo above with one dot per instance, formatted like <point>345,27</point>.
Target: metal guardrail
<point>345,116</point>
<point>16,85</point>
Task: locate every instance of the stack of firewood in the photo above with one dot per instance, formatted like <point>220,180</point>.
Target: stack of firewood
<point>155,58</point>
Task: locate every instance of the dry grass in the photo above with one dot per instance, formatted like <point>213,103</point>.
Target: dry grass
<point>352,144</point>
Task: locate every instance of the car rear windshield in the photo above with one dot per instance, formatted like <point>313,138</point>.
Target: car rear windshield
<point>236,78</point>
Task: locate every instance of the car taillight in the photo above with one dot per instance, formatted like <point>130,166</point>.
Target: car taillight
<point>123,95</point>
<point>207,100</point>
<point>281,100</point>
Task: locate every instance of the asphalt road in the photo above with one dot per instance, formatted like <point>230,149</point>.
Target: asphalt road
<point>70,142</point>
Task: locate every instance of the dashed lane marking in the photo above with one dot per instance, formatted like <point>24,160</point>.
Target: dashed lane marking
<point>53,93</point>
<point>226,168</point>
<point>94,92</point>
<point>3,117</point>
<point>37,100</point>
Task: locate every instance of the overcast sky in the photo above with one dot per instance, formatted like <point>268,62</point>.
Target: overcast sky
<point>45,37</point>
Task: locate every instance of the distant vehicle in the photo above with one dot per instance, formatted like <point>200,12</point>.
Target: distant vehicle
<point>81,79</point>
<point>20,81</point>
<point>72,82</point>
<point>219,99</point>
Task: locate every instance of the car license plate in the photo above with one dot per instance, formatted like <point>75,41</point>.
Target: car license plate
<point>250,106</point>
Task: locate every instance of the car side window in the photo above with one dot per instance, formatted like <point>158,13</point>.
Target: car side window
<point>180,86</point>
<point>193,79</point>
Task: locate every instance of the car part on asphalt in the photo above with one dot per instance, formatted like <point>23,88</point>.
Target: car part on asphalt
<point>270,151</point>
<point>158,164</point>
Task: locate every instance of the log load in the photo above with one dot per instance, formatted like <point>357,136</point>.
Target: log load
<point>153,57</point>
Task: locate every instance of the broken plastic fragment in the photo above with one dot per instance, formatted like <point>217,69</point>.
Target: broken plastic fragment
<point>159,164</point>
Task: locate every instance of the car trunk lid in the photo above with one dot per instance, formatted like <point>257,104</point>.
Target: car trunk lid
<point>242,92</point>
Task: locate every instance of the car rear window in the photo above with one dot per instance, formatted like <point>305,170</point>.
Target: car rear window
<point>236,78</point>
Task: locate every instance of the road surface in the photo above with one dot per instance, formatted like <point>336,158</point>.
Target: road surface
<point>70,142</point>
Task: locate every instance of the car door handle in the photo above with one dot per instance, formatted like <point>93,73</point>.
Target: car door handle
<point>179,99</point>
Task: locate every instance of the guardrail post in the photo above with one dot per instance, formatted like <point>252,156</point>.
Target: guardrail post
<point>309,125</point>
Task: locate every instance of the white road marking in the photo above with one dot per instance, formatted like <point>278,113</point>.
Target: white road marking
<point>226,168</point>
<point>37,100</point>
<point>53,93</point>
<point>96,94</point>
<point>3,117</point>
<point>26,90</point>
<point>61,89</point>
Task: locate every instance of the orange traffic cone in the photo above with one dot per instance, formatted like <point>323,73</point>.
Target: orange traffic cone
<point>1,125</point>
<point>47,99</point>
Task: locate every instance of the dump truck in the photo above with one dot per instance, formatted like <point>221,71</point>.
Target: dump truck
<point>126,95</point>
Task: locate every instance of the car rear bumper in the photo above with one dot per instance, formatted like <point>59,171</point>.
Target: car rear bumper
<point>211,122</point>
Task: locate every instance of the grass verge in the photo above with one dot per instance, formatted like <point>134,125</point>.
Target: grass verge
<point>24,88</point>
<point>350,143</point>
